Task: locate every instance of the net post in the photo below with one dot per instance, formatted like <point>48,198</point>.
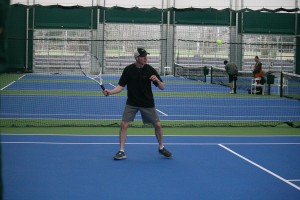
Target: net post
<point>211,73</point>
<point>234,84</point>
<point>281,82</point>
<point>205,72</point>
<point>270,81</point>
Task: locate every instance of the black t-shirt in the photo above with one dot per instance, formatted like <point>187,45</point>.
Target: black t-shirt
<point>139,91</point>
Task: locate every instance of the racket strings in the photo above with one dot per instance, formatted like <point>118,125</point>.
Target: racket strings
<point>90,65</point>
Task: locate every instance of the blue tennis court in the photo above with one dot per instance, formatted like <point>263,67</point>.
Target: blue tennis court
<point>170,108</point>
<point>203,167</point>
<point>180,109</point>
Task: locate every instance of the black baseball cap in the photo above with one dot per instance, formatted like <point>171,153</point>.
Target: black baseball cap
<point>140,52</point>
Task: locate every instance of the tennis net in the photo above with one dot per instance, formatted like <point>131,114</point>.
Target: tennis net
<point>289,85</point>
<point>196,73</point>
<point>56,100</point>
<point>214,75</point>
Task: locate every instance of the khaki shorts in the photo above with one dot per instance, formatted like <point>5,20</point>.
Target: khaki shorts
<point>149,115</point>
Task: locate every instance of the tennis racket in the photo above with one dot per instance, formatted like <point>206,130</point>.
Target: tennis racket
<point>91,67</point>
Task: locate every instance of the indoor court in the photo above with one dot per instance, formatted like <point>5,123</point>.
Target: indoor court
<point>59,133</point>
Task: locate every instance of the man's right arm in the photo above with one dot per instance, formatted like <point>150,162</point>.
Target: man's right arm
<point>116,90</point>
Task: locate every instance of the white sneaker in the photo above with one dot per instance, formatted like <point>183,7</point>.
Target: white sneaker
<point>231,92</point>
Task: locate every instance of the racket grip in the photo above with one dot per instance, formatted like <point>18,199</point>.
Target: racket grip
<point>102,87</point>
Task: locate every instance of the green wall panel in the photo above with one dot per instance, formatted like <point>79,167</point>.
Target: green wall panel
<point>17,38</point>
<point>133,15</point>
<point>63,17</point>
<point>203,16</point>
<point>268,23</point>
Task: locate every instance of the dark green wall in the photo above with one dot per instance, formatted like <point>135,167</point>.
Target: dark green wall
<point>17,38</point>
<point>4,8</point>
<point>269,23</point>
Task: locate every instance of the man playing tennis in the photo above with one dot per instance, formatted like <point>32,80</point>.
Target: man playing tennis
<point>138,78</point>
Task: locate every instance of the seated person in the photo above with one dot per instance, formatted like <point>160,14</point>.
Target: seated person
<point>259,73</point>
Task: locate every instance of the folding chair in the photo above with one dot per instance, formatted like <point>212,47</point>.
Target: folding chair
<point>256,86</point>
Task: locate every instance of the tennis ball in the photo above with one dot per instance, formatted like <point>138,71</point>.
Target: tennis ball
<point>219,41</point>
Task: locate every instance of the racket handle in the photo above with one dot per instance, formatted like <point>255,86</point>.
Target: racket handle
<point>102,87</point>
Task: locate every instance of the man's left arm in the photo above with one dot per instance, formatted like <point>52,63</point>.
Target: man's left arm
<point>158,82</point>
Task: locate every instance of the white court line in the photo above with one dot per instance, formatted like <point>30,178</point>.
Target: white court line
<point>260,167</point>
<point>162,112</point>
<point>112,84</point>
<point>151,135</point>
<point>65,143</point>
<point>145,143</point>
<point>58,114</point>
<point>110,143</point>
<point>224,106</point>
<point>21,77</point>
<point>7,85</point>
<point>12,83</point>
